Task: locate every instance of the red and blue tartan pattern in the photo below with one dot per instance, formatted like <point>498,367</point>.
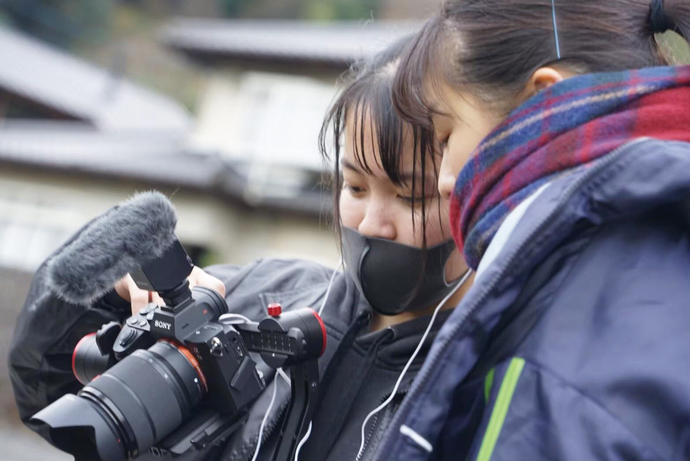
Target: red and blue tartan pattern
<point>569,126</point>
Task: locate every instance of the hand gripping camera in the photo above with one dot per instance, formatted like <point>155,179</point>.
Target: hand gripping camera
<point>176,379</point>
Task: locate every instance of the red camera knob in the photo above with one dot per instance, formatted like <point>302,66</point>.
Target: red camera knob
<point>275,309</point>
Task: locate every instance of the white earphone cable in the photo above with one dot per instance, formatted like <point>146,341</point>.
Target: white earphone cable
<point>409,362</point>
<point>280,372</point>
<point>323,305</point>
<point>302,442</point>
<point>330,284</point>
<point>231,319</point>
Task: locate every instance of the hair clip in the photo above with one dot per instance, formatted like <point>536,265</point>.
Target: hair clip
<point>555,28</point>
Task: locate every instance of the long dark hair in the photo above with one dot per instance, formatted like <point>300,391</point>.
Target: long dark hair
<point>492,47</point>
<point>367,99</point>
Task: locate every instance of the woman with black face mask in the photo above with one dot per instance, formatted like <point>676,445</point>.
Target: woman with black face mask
<point>401,270</point>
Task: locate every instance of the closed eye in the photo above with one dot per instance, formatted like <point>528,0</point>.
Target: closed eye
<point>411,201</point>
<point>353,189</point>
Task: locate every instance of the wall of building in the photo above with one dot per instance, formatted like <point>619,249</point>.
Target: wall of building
<point>264,117</point>
<point>40,210</point>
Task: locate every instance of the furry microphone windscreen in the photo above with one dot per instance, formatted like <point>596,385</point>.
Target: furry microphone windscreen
<point>132,234</point>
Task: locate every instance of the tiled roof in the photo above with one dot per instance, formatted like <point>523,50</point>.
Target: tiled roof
<point>335,44</point>
<point>39,72</point>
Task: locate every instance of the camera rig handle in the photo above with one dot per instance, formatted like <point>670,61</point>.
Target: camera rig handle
<point>305,386</point>
<point>294,339</point>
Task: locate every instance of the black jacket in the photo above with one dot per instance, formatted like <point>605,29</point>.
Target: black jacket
<point>49,328</point>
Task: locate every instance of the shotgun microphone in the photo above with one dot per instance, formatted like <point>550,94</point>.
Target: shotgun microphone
<point>125,238</point>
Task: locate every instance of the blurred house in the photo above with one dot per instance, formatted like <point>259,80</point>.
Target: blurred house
<point>76,139</point>
<point>270,84</point>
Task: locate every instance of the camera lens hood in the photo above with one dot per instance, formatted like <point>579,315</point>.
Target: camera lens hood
<point>77,426</point>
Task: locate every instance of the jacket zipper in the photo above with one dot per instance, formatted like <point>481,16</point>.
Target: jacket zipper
<point>374,346</point>
<point>422,380</point>
<point>391,408</point>
<point>370,434</point>
<point>268,430</point>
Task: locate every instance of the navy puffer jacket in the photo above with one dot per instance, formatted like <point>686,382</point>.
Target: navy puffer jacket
<point>574,343</point>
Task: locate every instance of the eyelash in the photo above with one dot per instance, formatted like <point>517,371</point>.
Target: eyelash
<point>353,189</point>
<point>443,143</point>
<point>407,200</point>
<point>413,201</point>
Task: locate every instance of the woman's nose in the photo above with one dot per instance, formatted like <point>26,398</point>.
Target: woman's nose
<point>377,223</point>
<point>446,179</point>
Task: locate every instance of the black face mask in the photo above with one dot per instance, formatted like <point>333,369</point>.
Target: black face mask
<point>394,277</point>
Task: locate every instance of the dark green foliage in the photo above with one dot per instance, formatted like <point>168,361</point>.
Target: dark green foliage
<point>301,9</point>
<point>339,9</point>
<point>234,8</point>
<point>60,22</point>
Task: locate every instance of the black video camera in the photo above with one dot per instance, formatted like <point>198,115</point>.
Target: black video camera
<point>181,363</point>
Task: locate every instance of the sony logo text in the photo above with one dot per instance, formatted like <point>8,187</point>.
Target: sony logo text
<point>163,325</point>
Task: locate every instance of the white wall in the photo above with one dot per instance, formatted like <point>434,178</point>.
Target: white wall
<point>263,117</point>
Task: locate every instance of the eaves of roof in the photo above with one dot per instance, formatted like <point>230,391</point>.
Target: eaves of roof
<point>158,161</point>
<point>335,45</point>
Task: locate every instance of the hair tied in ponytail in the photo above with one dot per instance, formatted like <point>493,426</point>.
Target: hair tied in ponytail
<point>659,22</point>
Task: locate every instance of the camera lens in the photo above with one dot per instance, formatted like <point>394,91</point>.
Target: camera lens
<point>129,407</point>
<point>87,360</point>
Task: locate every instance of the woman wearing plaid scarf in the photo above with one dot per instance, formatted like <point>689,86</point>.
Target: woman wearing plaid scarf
<point>565,134</point>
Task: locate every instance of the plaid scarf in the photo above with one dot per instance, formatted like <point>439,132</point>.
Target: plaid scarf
<point>559,131</point>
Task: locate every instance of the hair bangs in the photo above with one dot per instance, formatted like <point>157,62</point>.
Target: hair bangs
<point>365,111</point>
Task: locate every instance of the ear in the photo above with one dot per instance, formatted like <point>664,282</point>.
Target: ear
<point>542,79</point>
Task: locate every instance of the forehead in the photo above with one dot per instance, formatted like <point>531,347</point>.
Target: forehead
<point>441,98</point>
<point>376,144</point>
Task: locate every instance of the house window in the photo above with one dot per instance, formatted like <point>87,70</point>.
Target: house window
<point>281,119</point>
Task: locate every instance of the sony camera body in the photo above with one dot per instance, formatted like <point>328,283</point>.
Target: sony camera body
<point>227,373</point>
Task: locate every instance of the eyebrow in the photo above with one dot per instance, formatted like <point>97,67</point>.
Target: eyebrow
<point>438,115</point>
<point>351,166</point>
<point>404,177</point>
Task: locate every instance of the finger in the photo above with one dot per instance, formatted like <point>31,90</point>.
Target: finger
<point>193,278</point>
<point>122,289</point>
<point>138,297</point>
<point>209,281</point>
<point>155,297</point>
